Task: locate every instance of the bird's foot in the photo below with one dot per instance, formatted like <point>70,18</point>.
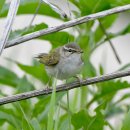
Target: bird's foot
<point>79,78</point>
<point>47,88</point>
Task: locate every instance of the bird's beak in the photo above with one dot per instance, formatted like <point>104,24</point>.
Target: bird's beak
<point>36,57</point>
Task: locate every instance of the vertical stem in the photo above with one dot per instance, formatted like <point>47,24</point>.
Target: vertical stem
<point>110,42</point>
<point>69,110</point>
<point>36,11</point>
<point>50,122</point>
<point>83,96</point>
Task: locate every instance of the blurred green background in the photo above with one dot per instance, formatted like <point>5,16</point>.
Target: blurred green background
<point>102,106</point>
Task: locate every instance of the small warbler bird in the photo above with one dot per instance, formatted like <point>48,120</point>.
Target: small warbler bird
<point>63,62</point>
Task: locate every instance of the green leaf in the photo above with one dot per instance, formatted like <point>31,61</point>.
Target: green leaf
<point>35,71</point>
<point>41,108</point>
<point>22,108</point>
<point>92,6</point>
<point>8,77</point>
<point>26,125</point>
<point>108,89</point>
<point>35,124</point>
<point>126,123</point>
<point>2,2</point>
<point>113,86</point>
<point>24,85</point>
<point>81,119</point>
<point>29,7</point>
<point>64,122</point>
<point>101,70</point>
<point>98,121</point>
<point>32,28</point>
<point>57,38</point>
<point>101,107</point>
<point>7,117</point>
<point>125,30</point>
<point>106,22</point>
<point>90,71</point>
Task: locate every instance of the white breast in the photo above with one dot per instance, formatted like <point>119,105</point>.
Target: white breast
<point>67,67</point>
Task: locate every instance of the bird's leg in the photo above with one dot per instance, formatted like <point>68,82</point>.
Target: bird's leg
<point>47,85</point>
<point>79,78</point>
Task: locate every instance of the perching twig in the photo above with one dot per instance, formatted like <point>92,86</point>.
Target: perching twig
<point>110,42</point>
<point>8,24</point>
<point>67,25</point>
<point>63,87</point>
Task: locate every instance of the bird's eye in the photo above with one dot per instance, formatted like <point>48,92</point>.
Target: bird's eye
<point>70,51</point>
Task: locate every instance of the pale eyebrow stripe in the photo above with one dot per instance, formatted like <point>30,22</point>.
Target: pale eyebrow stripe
<point>69,48</point>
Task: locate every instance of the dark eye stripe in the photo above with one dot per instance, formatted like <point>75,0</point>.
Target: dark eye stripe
<point>69,49</point>
<point>72,49</point>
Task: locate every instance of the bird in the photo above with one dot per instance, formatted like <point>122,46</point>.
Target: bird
<point>63,62</point>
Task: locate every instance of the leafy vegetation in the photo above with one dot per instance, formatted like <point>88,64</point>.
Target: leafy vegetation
<point>51,111</point>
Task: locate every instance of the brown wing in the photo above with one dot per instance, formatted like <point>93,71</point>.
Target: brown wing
<point>49,59</point>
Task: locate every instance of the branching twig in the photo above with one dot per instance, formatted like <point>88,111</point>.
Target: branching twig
<point>67,25</point>
<point>8,24</point>
<point>35,14</point>
<point>63,87</point>
<point>110,42</point>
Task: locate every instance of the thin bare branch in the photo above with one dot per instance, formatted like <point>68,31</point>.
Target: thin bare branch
<point>35,14</point>
<point>110,42</point>
<point>8,24</point>
<point>33,18</point>
<point>63,87</point>
<point>67,25</point>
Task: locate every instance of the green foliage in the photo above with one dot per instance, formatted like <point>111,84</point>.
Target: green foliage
<point>8,77</point>
<point>62,36</point>
<point>50,122</point>
<point>83,120</point>
<point>35,71</point>
<point>126,123</point>
<point>35,124</point>
<point>50,111</point>
<point>78,123</point>
<point>1,4</point>
<point>29,7</point>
